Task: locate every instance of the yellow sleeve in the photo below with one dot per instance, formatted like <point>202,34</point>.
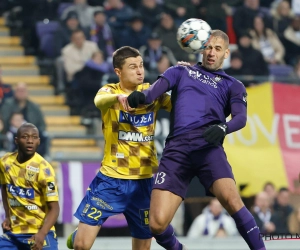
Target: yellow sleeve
<point>165,101</point>
<point>105,99</point>
<point>48,183</point>
<point>2,171</point>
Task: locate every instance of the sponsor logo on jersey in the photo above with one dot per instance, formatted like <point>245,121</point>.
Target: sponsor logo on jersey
<point>31,207</point>
<point>104,89</point>
<point>204,78</point>
<point>20,192</point>
<point>14,203</point>
<point>33,169</point>
<point>136,120</point>
<point>133,136</point>
<point>50,187</point>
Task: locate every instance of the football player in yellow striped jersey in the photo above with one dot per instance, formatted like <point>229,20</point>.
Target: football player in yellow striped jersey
<point>29,194</point>
<point>124,182</point>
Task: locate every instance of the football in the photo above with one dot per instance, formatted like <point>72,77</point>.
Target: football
<point>192,35</point>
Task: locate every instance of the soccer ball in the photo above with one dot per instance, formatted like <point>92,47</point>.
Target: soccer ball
<point>192,35</point>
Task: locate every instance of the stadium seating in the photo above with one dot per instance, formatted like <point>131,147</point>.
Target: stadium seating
<point>19,68</point>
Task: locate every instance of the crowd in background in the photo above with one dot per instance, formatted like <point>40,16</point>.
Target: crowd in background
<point>80,36</point>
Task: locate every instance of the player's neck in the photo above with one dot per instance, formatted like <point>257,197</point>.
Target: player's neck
<point>21,157</point>
<point>128,88</point>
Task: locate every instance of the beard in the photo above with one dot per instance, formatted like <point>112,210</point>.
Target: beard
<point>213,67</point>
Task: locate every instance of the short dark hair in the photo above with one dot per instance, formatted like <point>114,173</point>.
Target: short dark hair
<point>221,34</point>
<point>269,184</point>
<point>77,31</point>
<point>26,125</point>
<point>121,54</point>
<point>283,189</point>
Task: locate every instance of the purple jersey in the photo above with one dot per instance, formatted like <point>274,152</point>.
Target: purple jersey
<point>201,97</point>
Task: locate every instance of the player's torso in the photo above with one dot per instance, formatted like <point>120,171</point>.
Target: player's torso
<point>199,98</point>
<point>25,199</point>
<point>129,141</point>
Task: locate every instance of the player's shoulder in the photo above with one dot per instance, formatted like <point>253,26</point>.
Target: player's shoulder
<point>8,156</point>
<point>40,160</point>
<point>110,88</point>
<point>232,81</point>
<point>143,86</point>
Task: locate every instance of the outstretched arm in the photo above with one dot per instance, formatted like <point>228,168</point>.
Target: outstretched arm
<point>150,94</point>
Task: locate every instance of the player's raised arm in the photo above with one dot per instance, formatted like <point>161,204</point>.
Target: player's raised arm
<point>238,104</point>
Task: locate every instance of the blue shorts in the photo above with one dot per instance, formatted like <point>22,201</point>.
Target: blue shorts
<point>10,241</point>
<point>108,196</point>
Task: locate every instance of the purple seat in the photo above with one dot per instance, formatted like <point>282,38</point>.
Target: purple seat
<point>45,33</point>
<point>280,70</point>
<point>62,7</point>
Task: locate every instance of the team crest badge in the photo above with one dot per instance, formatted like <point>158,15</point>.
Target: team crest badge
<point>31,173</point>
<point>218,78</point>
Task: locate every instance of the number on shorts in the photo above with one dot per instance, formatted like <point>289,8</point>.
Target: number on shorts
<point>160,178</point>
<point>93,215</point>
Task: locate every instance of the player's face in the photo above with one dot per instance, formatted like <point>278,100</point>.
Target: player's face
<point>28,140</point>
<point>214,54</point>
<point>132,72</point>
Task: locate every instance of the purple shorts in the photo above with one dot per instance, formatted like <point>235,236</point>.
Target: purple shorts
<point>187,156</point>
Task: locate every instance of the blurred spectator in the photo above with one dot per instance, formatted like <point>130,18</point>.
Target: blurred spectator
<point>33,11</point>
<point>167,32</point>
<point>150,12</point>
<point>2,135</point>
<point>296,6</point>
<point>262,213</point>
<point>212,222</point>
<point>63,34</point>
<point>283,208</point>
<point>294,222</point>
<point>266,41</point>
<point>295,75</point>
<point>77,53</point>
<point>84,12</point>
<point>253,61</point>
<point>117,14</point>
<point>31,113</point>
<point>237,68</point>
<point>162,65</point>
<point>136,35</point>
<point>5,90</point>
<point>153,51</point>
<point>16,120</point>
<point>270,189</point>
<point>291,40</point>
<point>282,16</point>
<point>244,16</point>
<point>88,81</point>
<point>215,12</point>
<point>101,34</point>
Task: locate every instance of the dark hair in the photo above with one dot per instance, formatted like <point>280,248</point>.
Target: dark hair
<point>77,31</point>
<point>283,189</point>
<point>26,125</point>
<point>269,184</point>
<point>121,54</point>
<point>222,35</point>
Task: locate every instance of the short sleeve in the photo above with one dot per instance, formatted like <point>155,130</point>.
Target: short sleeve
<point>2,177</point>
<point>48,183</point>
<point>238,93</point>
<point>173,75</point>
<point>165,101</point>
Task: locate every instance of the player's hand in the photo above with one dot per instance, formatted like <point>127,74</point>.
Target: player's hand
<point>38,240</point>
<point>183,63</point>
<point>136,98</point>
<point>215,133</point>
<point>122,99</point>
<point>6,224</point>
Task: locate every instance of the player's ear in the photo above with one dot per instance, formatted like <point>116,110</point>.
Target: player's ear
<point>117,71</point>
<point>227,53</point>
<point>16,141</point>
